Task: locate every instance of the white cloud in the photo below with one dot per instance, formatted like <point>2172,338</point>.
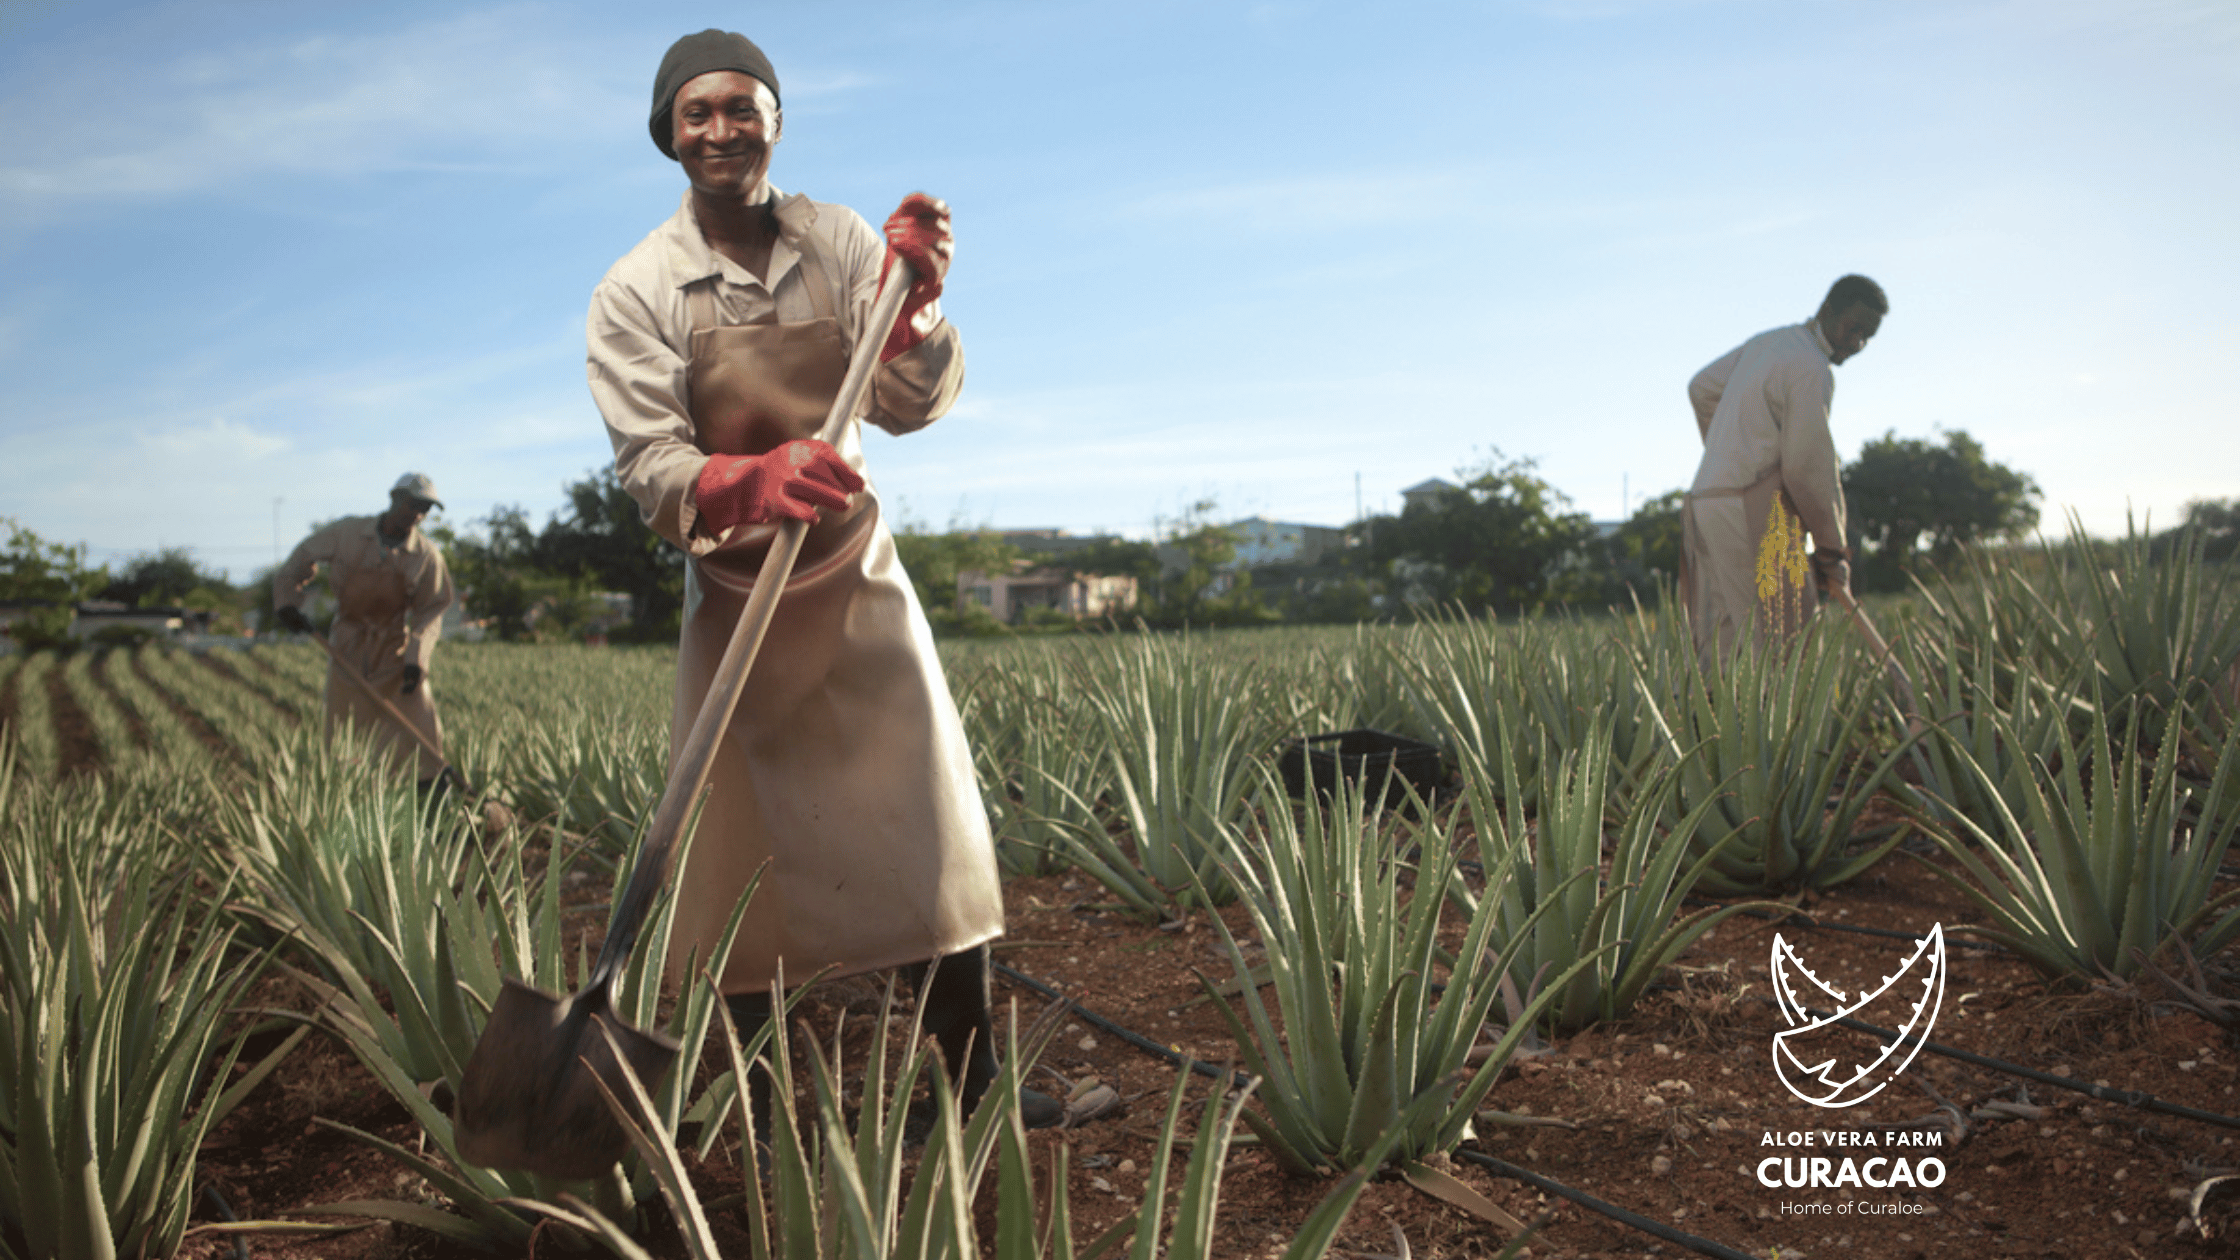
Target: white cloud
<point>222,441</point>
<point>484,89</point>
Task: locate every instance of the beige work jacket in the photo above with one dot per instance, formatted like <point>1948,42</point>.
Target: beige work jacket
<point>1769,476</point>
<point>390,603</point>
<point>639,333</point>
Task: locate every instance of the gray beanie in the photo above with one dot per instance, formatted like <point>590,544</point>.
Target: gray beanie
<point>693,56</point>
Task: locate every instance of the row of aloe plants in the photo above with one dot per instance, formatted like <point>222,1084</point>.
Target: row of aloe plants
<point>1622,927</point>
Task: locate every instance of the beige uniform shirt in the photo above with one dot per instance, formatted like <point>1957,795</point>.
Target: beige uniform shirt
<point>1769,475</point>
<point>639,333</point>
<point>391,602</point>
<point>1764,407</point>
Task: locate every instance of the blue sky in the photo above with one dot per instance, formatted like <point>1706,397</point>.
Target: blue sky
<point>1245,252</point>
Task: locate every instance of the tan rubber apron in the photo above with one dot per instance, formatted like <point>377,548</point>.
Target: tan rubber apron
<point>371,614</point>
<point>845,764</point>
<point>1765,585</point>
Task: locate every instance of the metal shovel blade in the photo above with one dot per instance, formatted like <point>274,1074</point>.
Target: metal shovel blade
<point>527,1100</point>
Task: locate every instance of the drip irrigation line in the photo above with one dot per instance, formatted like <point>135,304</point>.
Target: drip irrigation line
<point>1701,1246</point>
<point>1803,920</point>
<point>2126,1097</point>
<point>1133,1038</point>
<point>218,1201</point>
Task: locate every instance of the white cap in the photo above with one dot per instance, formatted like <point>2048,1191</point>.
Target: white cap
<point>417,485</point>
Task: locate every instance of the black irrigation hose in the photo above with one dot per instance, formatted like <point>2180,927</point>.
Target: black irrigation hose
<point>1701,1246</point>
<point>1803,920</point>
<point>1133,1038</point>
<point>2126,1097</point>
<point>240,1244</point>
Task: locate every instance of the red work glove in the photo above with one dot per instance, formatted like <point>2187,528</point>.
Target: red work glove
<point>793,480</point>
<point>918,230</point>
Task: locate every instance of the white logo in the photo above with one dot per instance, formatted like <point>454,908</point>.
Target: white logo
<point>1808,1053</point>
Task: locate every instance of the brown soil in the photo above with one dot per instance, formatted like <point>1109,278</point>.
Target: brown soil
<point>134,723</point>
<point>1668,1111</point>
<point>80,743</point>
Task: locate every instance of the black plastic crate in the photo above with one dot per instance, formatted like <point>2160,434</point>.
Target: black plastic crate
<point>1364,756</point>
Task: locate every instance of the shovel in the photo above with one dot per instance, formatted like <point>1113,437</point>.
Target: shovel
<point>531,1097</point>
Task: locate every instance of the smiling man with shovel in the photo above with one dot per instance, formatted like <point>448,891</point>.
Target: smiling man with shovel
<point>391,589</point>
<point>717,347</point>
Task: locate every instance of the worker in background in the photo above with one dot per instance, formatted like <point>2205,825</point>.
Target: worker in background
<point>391,589</point>
<point>716,347</point>
<point>1770,477</point>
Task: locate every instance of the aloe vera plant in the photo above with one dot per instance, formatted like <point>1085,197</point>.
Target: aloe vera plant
<point>115,983</point>
<point>838,1189</point>
<point>1352,941</point>
<point>2162,632</point>
<point>1778,743</point>
<point>1501,696</point>
<point>2095,861</point>
<point>1031,736</point>
<point>587,773</point>
<point>1184,735</point>
<point>38,753</point>
<point>2151,629</point>
<point>1961,691</point>
<point>1563,896</point>
<point>413,923</point>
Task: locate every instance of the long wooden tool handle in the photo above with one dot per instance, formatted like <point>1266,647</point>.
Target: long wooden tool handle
<point>1900,681</point>
<point>688,775</point>
<point>395,714</point>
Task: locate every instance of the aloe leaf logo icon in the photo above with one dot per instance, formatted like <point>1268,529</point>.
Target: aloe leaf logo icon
<point>1827,1065</point>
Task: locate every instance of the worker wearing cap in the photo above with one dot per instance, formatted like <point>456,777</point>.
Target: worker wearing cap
<point>391,589</point>
<point>1770,476</point>
<point>717,346</point>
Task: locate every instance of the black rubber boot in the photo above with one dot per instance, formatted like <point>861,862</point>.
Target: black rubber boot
<point>955,1004</point>
<point>749,1012</point>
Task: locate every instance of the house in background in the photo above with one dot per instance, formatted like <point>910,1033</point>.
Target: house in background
<point>1043,579</point>
<point>1008,597</point>
<point>95,615</point>
<point>1261,541</point>
<point>1427,492</point>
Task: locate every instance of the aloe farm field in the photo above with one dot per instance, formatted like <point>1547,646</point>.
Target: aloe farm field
<point>1522,999</point>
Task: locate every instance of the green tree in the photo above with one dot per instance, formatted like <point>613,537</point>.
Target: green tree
<point>53,575</point>
<point>170,578</point>
<point>1649,542</point>
<point>497,570</point>
<point>605,542</point>
<point>1505,539</point>
<point>933,562</point>
<point>161,579</point>
<point>1907,496</point>
<point>1199,582</point>
<point>2218,520</point>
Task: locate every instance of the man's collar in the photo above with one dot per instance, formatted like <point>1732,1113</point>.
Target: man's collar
<point>1819,338</point>
<point>691,258</point>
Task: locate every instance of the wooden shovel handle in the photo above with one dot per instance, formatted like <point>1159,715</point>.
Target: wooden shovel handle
<point>688,774</point>
<point>359,681</point>
<point>1900,681</point>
